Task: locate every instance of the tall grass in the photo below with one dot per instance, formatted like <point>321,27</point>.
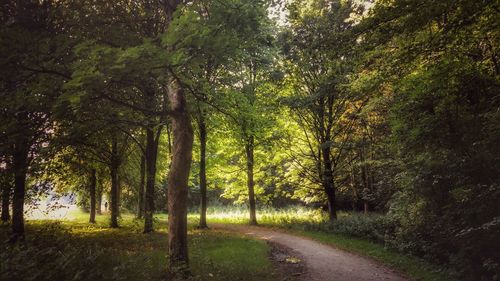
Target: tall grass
<point>375,227</point>
<point>265,215</point>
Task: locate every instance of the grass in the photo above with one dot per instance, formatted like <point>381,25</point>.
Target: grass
<point>72,249</point>
<point>299,220</point>
<point>230,257</point>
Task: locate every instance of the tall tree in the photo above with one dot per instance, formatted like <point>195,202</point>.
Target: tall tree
<point>140,199</point>
<point>178,175</point>
<point>252,70</point>
<point>201,121</point>
<point>31,80</point>
<point>6,181</point>
<point>318,50</point>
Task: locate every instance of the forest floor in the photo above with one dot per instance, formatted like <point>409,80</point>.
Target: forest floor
<point>320,262</point>
<point>72,249</point>
<point>69,248</point>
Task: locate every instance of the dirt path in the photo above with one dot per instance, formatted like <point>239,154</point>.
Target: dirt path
<point>322,262</point>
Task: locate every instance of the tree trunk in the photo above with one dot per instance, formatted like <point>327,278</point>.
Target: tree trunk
<point>182,149</point>
<point>114,197</point>
<point>99,198</point>
<point>249,147</point>
<point>181,155</point>
<point>118,193</point>
<point>20,169</point>
<point>114,165</point>
<point>92,189</point>
<point>203,174</point>
<point>328,185</point>
<point>140,199</point>
<point>151,155</point>
<point>6,187</point>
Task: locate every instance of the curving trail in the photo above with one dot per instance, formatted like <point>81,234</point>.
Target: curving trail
<point>322,262</point>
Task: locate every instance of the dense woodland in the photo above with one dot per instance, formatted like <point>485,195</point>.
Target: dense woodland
<point>383,107</point>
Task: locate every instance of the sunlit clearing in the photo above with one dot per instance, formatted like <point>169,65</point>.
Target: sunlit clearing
<point>50,209</point>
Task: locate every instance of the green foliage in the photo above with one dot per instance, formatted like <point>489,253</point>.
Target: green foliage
<point>441,88</point>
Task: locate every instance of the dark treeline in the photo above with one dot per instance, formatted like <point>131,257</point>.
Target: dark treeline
<point>388,106</point>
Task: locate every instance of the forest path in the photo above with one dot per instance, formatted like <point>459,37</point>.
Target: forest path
<point>322,262</point>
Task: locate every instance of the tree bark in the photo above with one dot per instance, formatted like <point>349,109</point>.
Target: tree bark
<point>114,165</point>
<point>20,169</point>
<point>365,178</point>
<point>181,155</point>
<point>352,183</point>
<point>203,173</point>
<point>140,199</point>
<point>92,191</point>
<point>249,148</point>
<point>99,197</point>
<point>151,155</point>
<point>178,180</point>
<point>328,184</point>
<point>6,188</point>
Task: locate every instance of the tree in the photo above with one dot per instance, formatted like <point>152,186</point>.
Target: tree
<point>208,55</point>
<point>135,76</point>
<point>201,121</point>
<point>31,80</point>
<point>6,181</point>
<point>436,66</point>
<point>319,52</point>
<point>178,175</point>
<point>253,68</point>
<point>140,199</point>
<point>95,129</point>
<point>72,169</point>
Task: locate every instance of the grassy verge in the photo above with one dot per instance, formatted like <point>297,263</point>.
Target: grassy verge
<point>294,221</point>
<point>72,249</point>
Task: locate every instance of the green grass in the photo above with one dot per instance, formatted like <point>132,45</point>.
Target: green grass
<point>297,220</point>
<point>73,249</point>
<point>225,256</point>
